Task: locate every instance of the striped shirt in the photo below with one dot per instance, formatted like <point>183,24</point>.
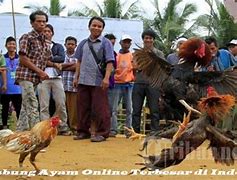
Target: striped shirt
<point>34,46</point>
<point>68,76</point>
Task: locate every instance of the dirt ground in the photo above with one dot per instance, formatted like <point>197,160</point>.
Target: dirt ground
<point>116,154</point>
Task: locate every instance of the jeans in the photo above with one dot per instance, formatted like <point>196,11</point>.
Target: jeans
<point>119,92</point>
<point>140,91</point>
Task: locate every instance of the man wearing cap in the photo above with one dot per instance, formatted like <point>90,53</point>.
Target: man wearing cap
<point>232,47</point>
<point>173,58</point>
<point>123,84</point>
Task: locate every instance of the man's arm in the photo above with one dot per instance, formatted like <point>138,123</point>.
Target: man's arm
<point>4,81</point>
<point>69,66</point>
<point>77,74</point>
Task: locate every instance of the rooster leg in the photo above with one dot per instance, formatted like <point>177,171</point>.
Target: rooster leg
<point>134,135</point>
<point>188,107</point>
<point>22,158</point>
<point>182,126</point>
<point>32,159</point>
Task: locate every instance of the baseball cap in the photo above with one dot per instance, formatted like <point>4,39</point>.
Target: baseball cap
<point>232,42</point>
<point>125,36</point>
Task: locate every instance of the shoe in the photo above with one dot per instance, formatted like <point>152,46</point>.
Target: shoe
<point>65,133</point>
<point>81,136</point>
<point>97,138</point>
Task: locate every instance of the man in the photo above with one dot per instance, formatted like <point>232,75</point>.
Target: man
<point>13,92</point>
<point>232,47</point>
<point>54,85</point>
<point>142,89</point>
<point>69,67</point>
<point>34,55</point>
<point>173,58</point>
<point>93,84</point>
<point>124,79</point>
<point>221,59</point>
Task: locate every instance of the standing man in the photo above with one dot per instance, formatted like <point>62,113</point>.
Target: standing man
<point>69,67</point>
<point>13,92</point>
<point>124,80</point>
<point>93,84</point>
<point>142,89</point>
<point>34,55</point>
<point>53,85</point>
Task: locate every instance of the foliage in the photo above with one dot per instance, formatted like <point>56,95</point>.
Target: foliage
<point>170,24</point>
<point>55,8</point>
<point>219,23</point>
<point>111,9</point>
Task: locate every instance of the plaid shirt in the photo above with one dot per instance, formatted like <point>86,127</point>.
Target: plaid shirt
<point>68,76</point>
<point>35,47</point>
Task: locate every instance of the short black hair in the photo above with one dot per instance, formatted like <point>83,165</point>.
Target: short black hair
<point>9,39</point>
<point>96,18</point>
<point>110,36</point>
<point>38,12</point>
<point>50,27</point>
<point>149,32</point>
<point>69,38</point>
<point>210,40</point>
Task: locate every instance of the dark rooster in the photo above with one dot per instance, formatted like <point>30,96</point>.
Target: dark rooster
<point>30,142</point>
<point>190,135</point>
<point>184,80</point>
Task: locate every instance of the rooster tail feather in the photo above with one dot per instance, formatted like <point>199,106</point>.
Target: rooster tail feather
<point>4,133</point>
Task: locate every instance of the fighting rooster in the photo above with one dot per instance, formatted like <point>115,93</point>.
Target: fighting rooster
<point>186,80</point>
<point>190,135</point>
<point>30,142</point>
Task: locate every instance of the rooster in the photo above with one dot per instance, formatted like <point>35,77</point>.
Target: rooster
<point>184,80</point>
<point>30,142</point>
<point>190,135</point>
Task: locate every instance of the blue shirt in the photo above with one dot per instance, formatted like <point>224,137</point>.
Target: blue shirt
<point>11,65</point>
<point>89,71</point>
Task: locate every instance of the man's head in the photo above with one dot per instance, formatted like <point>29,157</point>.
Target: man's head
<point>96,26</point>
<point>10,44</point>
<point>49,31</point>
<point>232,47</point>
<point>148,37</point>
<point>70,44</point>
<point>125,42</point>
<point>212,44</point>
<point>38,20</point>
<point>178,43</point>
<point>111,37</point>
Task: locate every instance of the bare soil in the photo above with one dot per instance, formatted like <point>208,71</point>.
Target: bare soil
<point>115,154</point>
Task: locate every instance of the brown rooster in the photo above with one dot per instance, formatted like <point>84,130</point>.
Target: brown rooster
<point>190,135</point>
<point>30,142</point>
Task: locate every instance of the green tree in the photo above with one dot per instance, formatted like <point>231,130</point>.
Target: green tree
<point>219,23</point>
<point>170,24</point>
<point>110,8</point>
<point>55,8</point>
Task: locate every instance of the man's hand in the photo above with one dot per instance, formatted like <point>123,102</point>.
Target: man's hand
<point>4,88</point>
<point>105,83</point>
<point>43,75</point>
<point>75,82</point>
